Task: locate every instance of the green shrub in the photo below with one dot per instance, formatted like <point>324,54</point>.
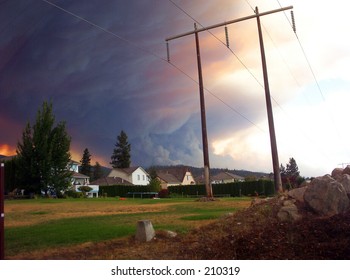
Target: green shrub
<point>73,194</point>
<point>121,190</point>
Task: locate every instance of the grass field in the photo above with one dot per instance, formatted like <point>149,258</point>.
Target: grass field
<point>44,224</point>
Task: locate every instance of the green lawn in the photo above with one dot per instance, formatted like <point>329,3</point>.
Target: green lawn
<point>51,223</point>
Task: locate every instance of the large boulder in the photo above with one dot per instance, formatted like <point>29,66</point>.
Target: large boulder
<point>326,196</point>
<point>298,193</point>
<point>337,173</point>
<point>345,181</point>
<point>347,170</point>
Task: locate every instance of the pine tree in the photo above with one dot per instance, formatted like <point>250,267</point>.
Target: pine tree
<point>43,154</point>
<point>86,163</point>
<point>98,173</point>
<point>290,174</point>
<point>28,177</point>
<point>121,153</point>
<point>292,169</point>
<point>60,143</point>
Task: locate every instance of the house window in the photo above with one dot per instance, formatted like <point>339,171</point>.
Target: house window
<point>143,177</point>
<point>138,177</point>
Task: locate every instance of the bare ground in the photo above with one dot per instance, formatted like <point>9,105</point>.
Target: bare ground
<point>253,233</point>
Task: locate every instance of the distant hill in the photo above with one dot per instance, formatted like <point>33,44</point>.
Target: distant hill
<point>198,171</point>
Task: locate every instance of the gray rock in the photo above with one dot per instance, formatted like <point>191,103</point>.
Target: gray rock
<point>145,231</point>
<point>171,234</point>
<point>326,196</point>
<point>289,213</point>
<point>298,193</point>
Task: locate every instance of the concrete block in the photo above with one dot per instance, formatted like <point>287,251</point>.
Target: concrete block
<point>145,231</point>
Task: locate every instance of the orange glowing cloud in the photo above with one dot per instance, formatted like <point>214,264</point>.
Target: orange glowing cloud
<point>7,150</point>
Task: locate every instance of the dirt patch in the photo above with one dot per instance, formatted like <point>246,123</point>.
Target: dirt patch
<point>27,214</point>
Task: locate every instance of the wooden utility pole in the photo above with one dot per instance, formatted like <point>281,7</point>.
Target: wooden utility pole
<point>2,212</point>
<point>274,152</point>
<point>208,186</point>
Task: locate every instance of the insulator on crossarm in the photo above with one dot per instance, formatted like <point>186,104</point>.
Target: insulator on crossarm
<point>227,40</point>
<point>293,21</point>
<point>167,51</point>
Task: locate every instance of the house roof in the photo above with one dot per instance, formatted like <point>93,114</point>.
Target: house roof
<point>226,176</point>
<point>173,174</point>
<point>79,175</point>
<point>168,178</point>
<point>129,170</point>
<point>110,181</point>
<point>200,179</point>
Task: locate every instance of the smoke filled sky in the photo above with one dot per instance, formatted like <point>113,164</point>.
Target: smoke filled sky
<point>103,65</point>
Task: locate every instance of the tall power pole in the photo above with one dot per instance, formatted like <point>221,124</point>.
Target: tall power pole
<point>274,152</point>
<point>208,186</point>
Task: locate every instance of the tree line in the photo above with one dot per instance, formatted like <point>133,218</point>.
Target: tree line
<point>42,164</point>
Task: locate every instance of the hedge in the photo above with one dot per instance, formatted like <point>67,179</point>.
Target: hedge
<point>121,190</point>
<point>260,187</point>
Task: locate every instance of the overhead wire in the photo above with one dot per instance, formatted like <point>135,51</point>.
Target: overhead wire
<point>150,53</point>
<point>292,24</point>
<point>225,44</point>
<point>305,56</point>
<point>221,41</point>
<point>231,107</point>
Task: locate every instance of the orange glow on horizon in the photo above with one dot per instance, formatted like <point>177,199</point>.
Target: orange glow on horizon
<point>7,150</point>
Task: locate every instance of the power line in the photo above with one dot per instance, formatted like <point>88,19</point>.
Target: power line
<point>103,29</point>
<point>305,55</point>
<point>151,53</point>
<point>211,33</point>
<point>226,45</point>
<point>257,15</point>
<point>292,24</point>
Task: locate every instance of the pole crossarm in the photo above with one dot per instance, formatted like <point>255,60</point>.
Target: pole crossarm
<point>228,22</point>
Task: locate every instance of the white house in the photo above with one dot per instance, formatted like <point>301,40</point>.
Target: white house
<point>134,175</point>
<point>79,180</point>
<point>226,177</point>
